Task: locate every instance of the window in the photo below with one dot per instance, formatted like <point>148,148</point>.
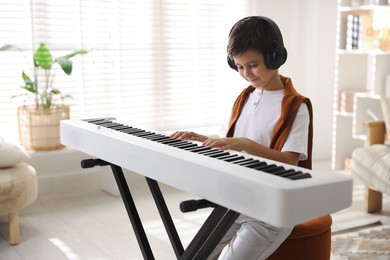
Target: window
<point>156,64</point>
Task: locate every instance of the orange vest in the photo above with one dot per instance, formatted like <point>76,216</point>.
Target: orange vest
<point>291,102</point>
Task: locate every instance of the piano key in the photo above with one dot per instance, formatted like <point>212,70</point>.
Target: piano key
<point>199,149</point>
<point>169,141</point>
<point>262,166</point>
<point>219,154</point>
<point>179,143</point>
<point>249,161</point>
<point>255,163</point>
<point>119,127</point>
<point>211,151</point>
<point>235,159</point>
<point>301,176</point>
<point>186,145</point>
<point>276,170</point>
<point>227,157</point>
<point>108,124</point>
<point>96,120</point>
<point>143,135</point>
<point>240,162</point>
<point>155,136</point>
<point>131,130</point>
<point>287,173</point>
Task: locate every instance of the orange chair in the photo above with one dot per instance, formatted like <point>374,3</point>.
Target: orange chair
<point>308,241</point>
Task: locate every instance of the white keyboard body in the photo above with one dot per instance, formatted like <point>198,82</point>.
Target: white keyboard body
<point>272,199</point>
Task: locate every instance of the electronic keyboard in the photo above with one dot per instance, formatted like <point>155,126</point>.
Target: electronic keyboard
<point>273,192</point>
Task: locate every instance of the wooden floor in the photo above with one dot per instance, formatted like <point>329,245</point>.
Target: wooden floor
<point>91,224</point>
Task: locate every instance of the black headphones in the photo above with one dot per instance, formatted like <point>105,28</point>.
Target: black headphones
<point>275,54</point>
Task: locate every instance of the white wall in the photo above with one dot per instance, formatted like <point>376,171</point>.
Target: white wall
<point>309,31</point>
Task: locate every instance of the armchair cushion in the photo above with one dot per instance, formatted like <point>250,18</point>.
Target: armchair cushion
<point>385,102</point>
<point>372,166</point>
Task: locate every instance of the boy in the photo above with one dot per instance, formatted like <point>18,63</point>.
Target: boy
<point>269,119</point>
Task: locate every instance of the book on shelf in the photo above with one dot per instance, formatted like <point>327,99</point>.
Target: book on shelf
<point>359,35</point>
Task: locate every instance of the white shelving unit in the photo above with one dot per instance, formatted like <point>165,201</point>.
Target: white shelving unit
<point>362,71</point>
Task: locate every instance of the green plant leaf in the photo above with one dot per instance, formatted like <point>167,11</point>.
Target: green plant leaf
<point>6,47</point>
<point>66,65</point>
<point>79,52</point>
<point>42,57</point>
<point>30,85</point>
<point>54,91</point>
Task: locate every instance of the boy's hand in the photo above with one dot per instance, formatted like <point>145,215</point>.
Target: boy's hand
<point>237,144</point>
<point>189,136</point>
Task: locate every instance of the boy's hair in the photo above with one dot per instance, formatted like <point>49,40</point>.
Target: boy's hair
<point>257,33</point>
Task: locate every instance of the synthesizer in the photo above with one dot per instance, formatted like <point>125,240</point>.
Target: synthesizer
<point>273,192</point>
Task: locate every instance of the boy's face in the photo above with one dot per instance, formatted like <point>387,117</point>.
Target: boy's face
<point>252,68</point>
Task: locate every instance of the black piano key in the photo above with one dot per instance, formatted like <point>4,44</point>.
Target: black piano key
<point>288,172</point>
<point>185,145</point>
<point>219,154</point>
<point>108,124</point>
<point>296,173</point>
<point>240,162</point>
<point>169,141</point>
<point>234,159</point>
<point>227,157</point>
<point>119,127</point>
<point>103,122</point>
<point>143,135</point>
<point>191,148</point>
<point>95,120</point>
<point>275,170</point>
<point>199,149</point>
<point>99,120</point>
<point>131,130</point>
<point>264,167</point>
<point>179,143</point>
<point>160,138</point>
<point>153,137</point>
<point>255,163</point>
<point>211,151</point>
<point>300,176</point>
<point>249,161</point>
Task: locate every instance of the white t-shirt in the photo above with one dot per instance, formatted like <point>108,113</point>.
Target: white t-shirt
<point>259,116</point>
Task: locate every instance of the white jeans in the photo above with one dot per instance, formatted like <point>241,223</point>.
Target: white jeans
<point>250,239</point>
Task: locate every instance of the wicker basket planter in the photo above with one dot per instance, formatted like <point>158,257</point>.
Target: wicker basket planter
<point>39,129</point>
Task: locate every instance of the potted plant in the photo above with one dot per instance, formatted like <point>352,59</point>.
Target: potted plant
<point>39,120</point>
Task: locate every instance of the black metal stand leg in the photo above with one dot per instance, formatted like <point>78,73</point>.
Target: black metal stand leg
<point>166,217</point>
<point>207,238</point>
<point>210,234</point>
<point>132,212</point>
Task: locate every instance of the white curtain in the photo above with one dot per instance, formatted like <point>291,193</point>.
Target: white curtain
<point>156,64</point>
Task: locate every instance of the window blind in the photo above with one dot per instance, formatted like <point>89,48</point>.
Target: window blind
<point>158,64</point>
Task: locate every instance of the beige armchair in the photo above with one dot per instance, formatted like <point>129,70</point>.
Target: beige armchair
<point>371,164</point>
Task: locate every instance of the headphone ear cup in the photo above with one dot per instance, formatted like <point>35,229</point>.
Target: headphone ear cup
<point>275,56</point>
<point>231,63</point>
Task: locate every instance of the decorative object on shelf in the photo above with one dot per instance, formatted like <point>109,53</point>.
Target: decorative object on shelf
<point>39,120</point>
<point>346,99</point>
<point>383,39</point>
<point>359,32</point>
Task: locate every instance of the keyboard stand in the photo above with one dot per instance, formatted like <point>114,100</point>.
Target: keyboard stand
<point>204,242</point>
